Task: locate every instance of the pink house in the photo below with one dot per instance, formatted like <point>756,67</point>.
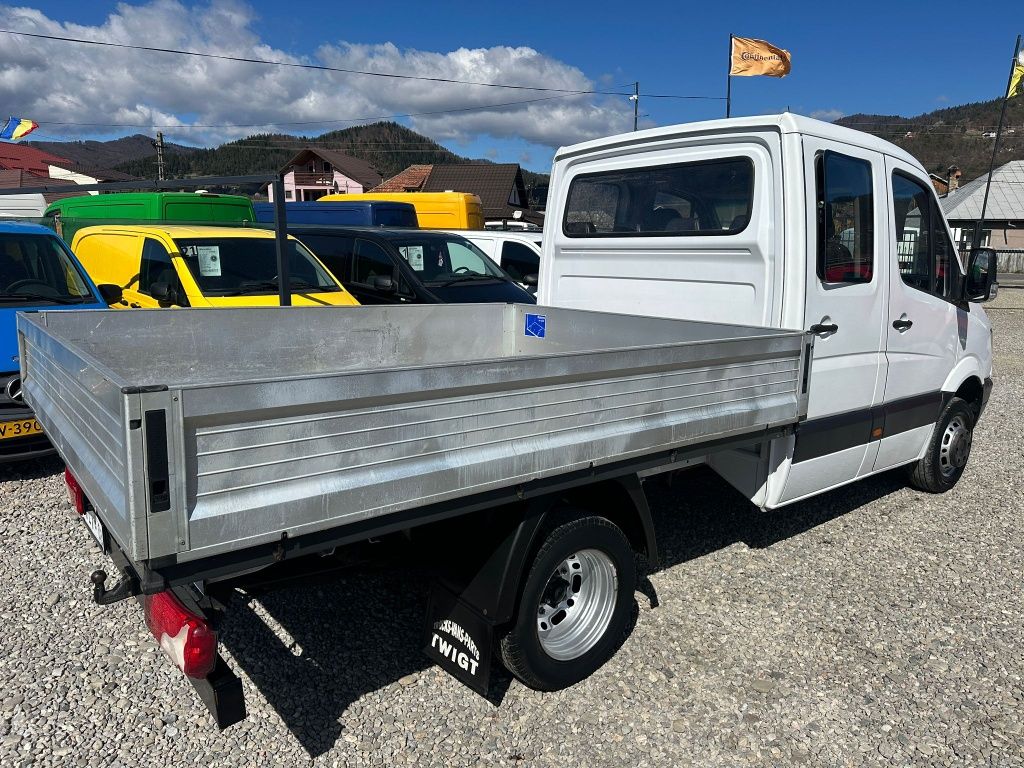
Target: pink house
<point>313,173</point>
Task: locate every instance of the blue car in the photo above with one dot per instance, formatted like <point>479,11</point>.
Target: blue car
<point>37,271</point>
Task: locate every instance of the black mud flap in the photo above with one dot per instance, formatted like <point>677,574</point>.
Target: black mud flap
<point>221,692</point>
<point>459,639</point>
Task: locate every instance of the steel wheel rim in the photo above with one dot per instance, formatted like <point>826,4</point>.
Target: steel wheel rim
<point>577,604</point>
<point>955,447</point>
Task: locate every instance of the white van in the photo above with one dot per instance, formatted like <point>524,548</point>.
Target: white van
<point>788,222</point>
<point>22,206</point>
<point>517,252</point>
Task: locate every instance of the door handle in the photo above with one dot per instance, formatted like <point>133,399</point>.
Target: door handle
<point>901,324</point>
<point>823,328</point>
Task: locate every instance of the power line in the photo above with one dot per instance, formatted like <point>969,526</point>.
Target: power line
<point>295,65</point>
<point>480,107</point>
<point>343,70</point>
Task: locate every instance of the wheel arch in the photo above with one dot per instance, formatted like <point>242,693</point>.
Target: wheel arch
<point>621,501</point>
<point>624,503</point>
<point>966,382</point>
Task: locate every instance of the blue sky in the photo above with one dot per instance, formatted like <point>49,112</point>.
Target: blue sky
<point>888,58</point>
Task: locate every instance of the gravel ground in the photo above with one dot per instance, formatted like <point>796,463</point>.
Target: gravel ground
<point>874,625</point>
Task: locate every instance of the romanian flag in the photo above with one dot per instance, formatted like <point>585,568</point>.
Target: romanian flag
<point>1017,80</point>
<point>17,128</point>
<point>756,57</point>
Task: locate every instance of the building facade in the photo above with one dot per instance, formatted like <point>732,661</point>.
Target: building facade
<point>314,172</point>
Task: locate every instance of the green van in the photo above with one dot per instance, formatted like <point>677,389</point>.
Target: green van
<point>67,216</point>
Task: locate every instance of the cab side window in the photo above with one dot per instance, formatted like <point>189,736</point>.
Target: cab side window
<point>924,252</point>
<point>518,260</point>
<point>707,197</point>
<point>334,252</point>
<point>371,261</point>
<point>156,267</point>
<point>846,219</point>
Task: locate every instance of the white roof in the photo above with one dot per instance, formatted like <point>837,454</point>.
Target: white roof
<point>1005,201</point>
<point>787,122</point>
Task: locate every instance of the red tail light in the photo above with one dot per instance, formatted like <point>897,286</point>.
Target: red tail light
<point>185,637</point>
<point>75,493</point>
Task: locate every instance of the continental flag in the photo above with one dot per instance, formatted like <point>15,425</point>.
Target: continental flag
<point>756,57</point>
<point>1017,80</point>
<point>17,128</point>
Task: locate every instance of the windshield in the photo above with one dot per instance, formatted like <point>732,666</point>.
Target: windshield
<point>36,268</point>
<point>439,260</point>
<point>229,265</point>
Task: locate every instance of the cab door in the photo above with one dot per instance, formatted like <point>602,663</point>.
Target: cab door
<point>845,304</point>
<point>922,328</point>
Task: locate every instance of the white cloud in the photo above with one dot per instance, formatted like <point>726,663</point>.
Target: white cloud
<point>828,115</point>
<point>54,82</point>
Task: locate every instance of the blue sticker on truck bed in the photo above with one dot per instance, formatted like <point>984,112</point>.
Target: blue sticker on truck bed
<point>536,325</point>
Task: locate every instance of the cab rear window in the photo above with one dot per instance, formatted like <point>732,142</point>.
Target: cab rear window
<point>710,197</point>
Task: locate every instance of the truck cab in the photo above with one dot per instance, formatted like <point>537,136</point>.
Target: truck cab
<point>788,222</point>
<point>37,271</point>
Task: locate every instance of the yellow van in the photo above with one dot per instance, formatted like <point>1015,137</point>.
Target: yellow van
<point>185,266</point>
<point>434,210</point>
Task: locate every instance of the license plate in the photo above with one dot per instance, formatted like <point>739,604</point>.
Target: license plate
<point>95,527</point>
<point>19,428</point>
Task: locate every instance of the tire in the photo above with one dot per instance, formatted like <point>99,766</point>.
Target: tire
<point>583,618</point>
<point>948,449</point>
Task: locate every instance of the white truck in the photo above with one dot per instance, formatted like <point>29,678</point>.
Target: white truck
<point>774,296</point>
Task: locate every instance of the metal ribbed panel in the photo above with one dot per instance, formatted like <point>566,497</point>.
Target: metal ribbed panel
<point>353,463</point>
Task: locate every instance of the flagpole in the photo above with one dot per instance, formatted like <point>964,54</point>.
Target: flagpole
<point>728,81</point>
<point>976,242</point>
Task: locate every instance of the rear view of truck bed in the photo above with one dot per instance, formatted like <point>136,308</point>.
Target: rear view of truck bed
<point>191,443</point>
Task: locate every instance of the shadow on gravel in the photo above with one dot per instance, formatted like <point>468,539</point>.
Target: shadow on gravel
<point>711,515</point>
<point>33,469</point>
<point>347,636</point>
<point>351,634</point>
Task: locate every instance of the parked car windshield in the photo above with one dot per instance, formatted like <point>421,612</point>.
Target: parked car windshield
<point>438,260</point>
<point>38,268</point>
<point>233,265</point>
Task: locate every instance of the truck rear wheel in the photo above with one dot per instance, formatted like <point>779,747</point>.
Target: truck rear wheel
<point>576,605</point>
<point>948,450</point>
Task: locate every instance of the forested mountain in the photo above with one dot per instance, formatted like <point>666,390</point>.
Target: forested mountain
<point>108,154</point>
<point>387,146</point>
<point>961,136</point>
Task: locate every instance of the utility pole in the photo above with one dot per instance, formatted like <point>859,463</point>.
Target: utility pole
<point>635,98</point>
<point>159,144</point>
<point>979,227</point>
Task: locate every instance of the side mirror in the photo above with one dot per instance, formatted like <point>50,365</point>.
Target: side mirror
<point>163,293</point>
<point>980,284</point>
<point>530,280</point>
<point>110,293</point>
<point>383,283</point>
